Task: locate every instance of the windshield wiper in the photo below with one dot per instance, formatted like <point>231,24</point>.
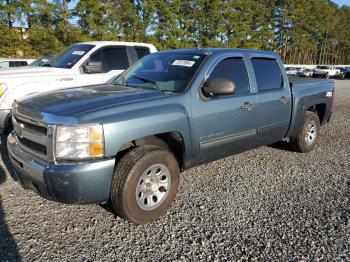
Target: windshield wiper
<point>146,80</point>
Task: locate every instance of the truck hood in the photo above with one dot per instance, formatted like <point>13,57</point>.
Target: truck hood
<point>31,71</point>
<point>65,106</point>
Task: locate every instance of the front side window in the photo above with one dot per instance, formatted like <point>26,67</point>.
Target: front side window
<point>114,59</point>
<point>167,71</point>
<point>233,69</point>
<point>70,57</point>
<point>268,74</point>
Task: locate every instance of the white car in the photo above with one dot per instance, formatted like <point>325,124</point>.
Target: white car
<point>10,62</point>
<point>326,71</point>
<point>291,71</point>
<point>87,63</point>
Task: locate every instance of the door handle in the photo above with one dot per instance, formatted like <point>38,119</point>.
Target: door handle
<point>283,100</point>
<point>247,106</point>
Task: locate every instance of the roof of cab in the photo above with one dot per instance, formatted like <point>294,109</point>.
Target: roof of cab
<point>14,59</point>
<point>105,43</point>
<point>222,50</point>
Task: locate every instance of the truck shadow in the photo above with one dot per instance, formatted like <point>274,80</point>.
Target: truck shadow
<point>282,145</point>
<point>8,246</point>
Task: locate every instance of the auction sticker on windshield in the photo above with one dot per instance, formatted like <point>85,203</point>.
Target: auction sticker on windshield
<point>187,63</point>
<point>80,53</point>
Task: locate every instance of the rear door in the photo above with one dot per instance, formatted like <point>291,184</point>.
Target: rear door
<point>273,100</point>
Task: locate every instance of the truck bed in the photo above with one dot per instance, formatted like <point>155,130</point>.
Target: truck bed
<point>310,95</point>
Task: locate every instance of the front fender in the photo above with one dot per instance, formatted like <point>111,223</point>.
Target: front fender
<point>141,123</point>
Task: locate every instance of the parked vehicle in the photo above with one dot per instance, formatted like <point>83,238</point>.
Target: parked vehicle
<point>291,71</point>
<point>326,71</point>
<point>344,72</point>
<point>41,61</point>
<point>82,64</point>
<point>305,72</point>
<point>299,69</point>
<point>347,73</point>
<point>127,142</point>
<point>10,62</point>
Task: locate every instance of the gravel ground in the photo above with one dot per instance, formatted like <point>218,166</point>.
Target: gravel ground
<point>268,203</point>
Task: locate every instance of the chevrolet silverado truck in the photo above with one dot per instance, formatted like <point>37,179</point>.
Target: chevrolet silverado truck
<point>82,64</point>
<point>125,143</point>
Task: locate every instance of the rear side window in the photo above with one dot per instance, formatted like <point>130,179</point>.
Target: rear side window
<point>235,70</point>
<point>114,59</point>
<point>142,51</point>
<point>268,74</point>
<point>22,63</point>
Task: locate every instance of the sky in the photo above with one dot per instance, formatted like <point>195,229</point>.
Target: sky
<point>342,2</point>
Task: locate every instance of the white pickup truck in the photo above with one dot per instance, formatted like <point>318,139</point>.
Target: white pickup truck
<point>87,63</point>
<point>326,71</point>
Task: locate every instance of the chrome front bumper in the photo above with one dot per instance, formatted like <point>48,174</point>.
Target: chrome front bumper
<point>84,182</point>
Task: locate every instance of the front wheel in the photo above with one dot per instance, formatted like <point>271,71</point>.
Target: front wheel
<point>144,184</point>
<point>308,134</point>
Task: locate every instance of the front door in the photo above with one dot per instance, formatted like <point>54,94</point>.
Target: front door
<point>92,78</point>
<point>226,124</point>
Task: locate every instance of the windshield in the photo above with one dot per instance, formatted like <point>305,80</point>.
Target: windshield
<point>166,71</point>
<point>70,57</point>
<point>41,61</point>
<point>323,67</point>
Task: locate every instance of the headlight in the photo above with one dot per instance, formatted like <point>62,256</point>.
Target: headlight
<point>79,142</point>
<point>3,88</point>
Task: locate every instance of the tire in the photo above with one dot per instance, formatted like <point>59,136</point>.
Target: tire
<point>134,196</point>
<point>305,141</point>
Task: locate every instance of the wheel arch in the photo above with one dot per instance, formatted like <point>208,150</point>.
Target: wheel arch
<point>172,141</point>
<point>320,110</point>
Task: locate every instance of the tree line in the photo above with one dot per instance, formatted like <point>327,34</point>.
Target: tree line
<point>301,31</point>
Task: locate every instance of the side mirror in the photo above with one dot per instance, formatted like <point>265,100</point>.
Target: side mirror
<point>218,86</point>
<point>92,68</point>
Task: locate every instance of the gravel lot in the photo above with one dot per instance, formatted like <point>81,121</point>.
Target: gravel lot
<point>268,203</point>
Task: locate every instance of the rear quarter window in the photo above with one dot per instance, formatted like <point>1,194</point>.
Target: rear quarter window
<point>268,74</point>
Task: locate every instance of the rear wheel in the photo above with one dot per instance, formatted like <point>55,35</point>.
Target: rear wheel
<point>308,134</point>
<point>144,184</point>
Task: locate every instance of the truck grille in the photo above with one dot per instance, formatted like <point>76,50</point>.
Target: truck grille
<point>40,129</point>
<point>32,145</point>
<point>32,136</point>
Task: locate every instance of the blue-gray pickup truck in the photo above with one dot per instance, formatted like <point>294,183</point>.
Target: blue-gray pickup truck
<point>126,142</point>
